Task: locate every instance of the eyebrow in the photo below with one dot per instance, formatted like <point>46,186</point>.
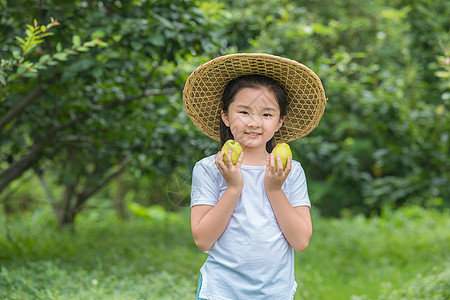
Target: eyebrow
<point>248,107</point>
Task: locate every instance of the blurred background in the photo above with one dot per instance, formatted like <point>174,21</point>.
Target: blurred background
<point>96,150</point>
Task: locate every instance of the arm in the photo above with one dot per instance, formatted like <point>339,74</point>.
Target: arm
<point>294,222</point>
<point>209,222</point>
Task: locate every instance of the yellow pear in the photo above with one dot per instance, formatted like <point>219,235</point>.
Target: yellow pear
<point>235,152</point>
<point>283,150</point>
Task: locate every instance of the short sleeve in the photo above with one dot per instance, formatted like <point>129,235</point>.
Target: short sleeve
<point>297,187</point>
<point>205,183</point>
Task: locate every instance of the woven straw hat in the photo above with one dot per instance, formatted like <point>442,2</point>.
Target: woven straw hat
<point>204,88</point>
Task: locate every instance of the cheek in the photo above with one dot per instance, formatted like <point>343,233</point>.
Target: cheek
<point>237,121</point>
<point>273,125</point>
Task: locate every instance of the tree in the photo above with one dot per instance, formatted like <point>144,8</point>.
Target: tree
<point>384,137</point>
<point>95,115</point>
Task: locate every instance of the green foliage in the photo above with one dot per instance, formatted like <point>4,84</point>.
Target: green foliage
<point>360,258</point>
<point>35,35</point>
<point>384,137</point>
<point>385,67</point>
<point>111,109</point>
<point>156,213</point>
<point>400,255</point>
<point>104,259</point>
<point>435,286</point>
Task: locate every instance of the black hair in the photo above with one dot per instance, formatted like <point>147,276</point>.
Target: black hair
<point>251,81</point>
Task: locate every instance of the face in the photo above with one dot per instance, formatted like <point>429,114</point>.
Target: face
<point>253,117</point>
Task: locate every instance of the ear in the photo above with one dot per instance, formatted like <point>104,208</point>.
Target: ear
<point>225,118</point>
<point>280,123</point>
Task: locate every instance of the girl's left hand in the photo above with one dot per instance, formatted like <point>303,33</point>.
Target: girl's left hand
<point>274,179</point>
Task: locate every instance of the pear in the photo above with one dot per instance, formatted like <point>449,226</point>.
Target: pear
<point>283,150</point>
<point>235,152</point>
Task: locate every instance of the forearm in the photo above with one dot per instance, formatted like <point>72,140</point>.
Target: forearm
<point>295,223</point>
<point>208,225</point>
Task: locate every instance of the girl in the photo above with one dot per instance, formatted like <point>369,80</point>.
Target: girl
<point>250,217</point>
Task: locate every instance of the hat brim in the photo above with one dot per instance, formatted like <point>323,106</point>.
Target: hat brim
<point>202,94</point>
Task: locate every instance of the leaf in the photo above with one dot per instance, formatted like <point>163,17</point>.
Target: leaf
<point>58,47</point>
<point>83,49</point>
<point>41,67</point>
<point>44,58</point>
<point>60,56</point>
<point>20,40</point>
<point>36,42</point>
<point>164,21</point>
<point>157,40</point>
<point>98,34</point>
<point>12,77</point>
<point>92,43</point>
<point>46,34</point>
<point>30,48</point>
<point>136,45</point>
<point>29,33</point>
<point>117,37</point>
<point>101,44</point>
<point>16,54</point>
<point>442,74</point>
<point>21,70</point>
<point>76,40</point>
<point>31,73</point>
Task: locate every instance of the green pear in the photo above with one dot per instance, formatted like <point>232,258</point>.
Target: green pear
<point>283,150</point>
<point>235,152</point>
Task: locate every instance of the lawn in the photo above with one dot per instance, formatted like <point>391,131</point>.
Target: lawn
<point>403,254</point>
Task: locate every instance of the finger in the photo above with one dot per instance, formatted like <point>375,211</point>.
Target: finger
<point>279,164</point>
<point>219,160</point>
<point>272,162</point>
<point>288,165</point>
<point>240,159</point>
<point>219,155</point>
<point>228,159</point>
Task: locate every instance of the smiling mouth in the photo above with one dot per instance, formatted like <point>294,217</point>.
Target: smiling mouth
<point>253,133</point>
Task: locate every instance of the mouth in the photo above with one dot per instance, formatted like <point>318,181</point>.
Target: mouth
<point>252,134</point>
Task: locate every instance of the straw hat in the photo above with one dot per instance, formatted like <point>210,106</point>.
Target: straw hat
<point>204,88</point>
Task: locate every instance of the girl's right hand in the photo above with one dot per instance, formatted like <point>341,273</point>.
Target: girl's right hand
<point>231,173</point>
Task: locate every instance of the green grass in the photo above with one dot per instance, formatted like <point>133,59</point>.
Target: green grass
<point>362,258</point>
<point>401,255</point>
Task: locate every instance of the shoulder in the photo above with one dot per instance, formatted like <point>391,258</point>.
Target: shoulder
<point>207,162</point>
<point>206,165</point>
<point>296,171</point>
<point>296,167</point>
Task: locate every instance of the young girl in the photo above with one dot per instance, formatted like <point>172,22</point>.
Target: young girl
<point>250,217</point>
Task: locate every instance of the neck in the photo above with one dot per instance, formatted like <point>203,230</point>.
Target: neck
<point>255,156</point>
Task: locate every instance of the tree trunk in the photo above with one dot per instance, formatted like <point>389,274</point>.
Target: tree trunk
<point>119,199</point>
<point>64,212</point>
<point>67,219</point>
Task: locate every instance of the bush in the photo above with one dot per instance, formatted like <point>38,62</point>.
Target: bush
<point>432,287</point>
<point>152,256</point>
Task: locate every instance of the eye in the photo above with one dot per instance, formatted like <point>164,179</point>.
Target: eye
<point>267,115</point>
<point>243,112</point>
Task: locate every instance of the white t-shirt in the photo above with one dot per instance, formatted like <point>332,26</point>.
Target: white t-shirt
<point>251,259</point>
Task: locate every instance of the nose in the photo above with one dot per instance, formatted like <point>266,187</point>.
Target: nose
<point>255,121</point>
